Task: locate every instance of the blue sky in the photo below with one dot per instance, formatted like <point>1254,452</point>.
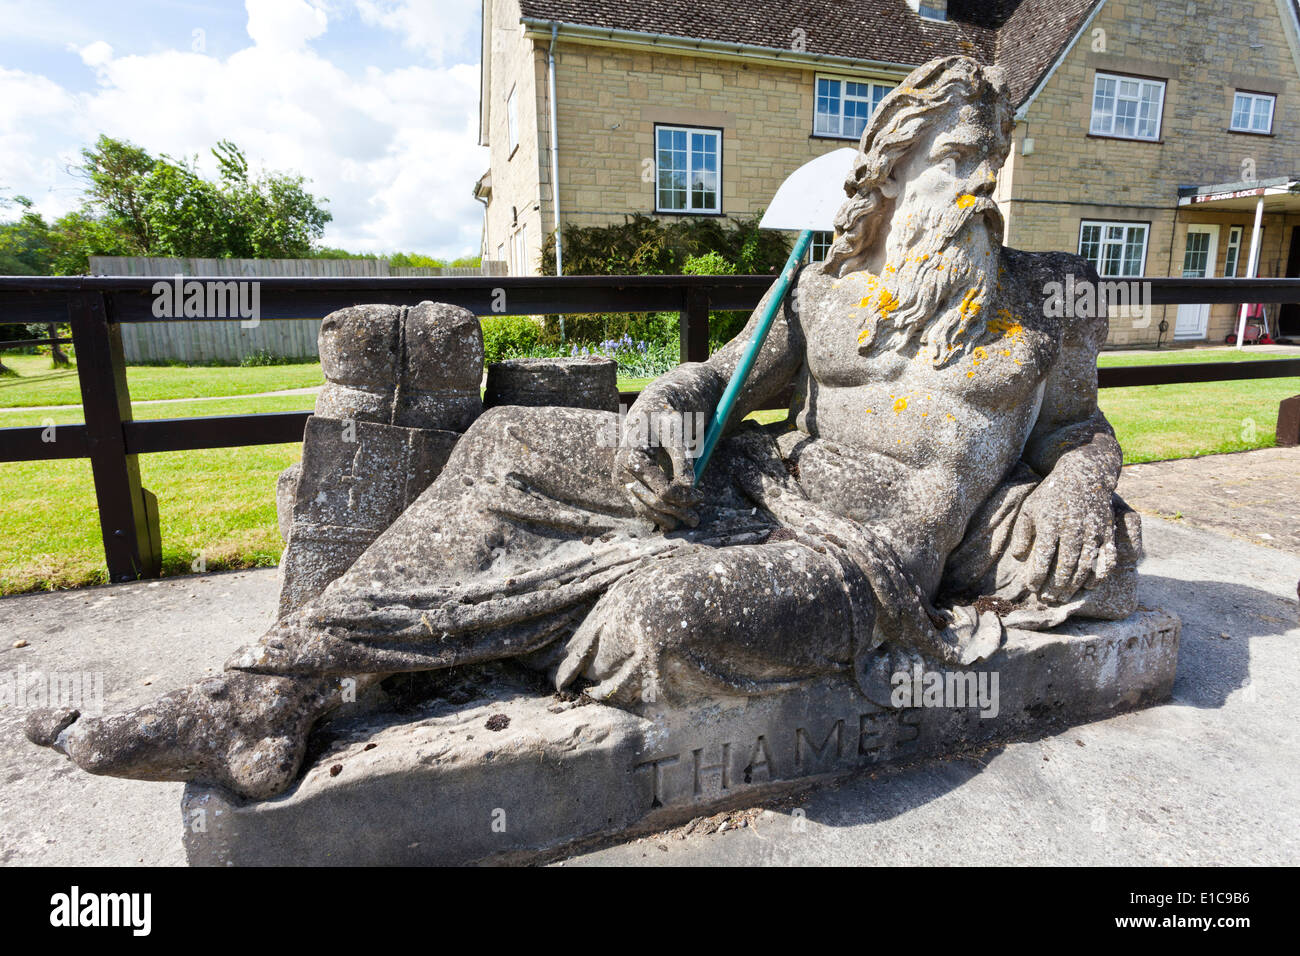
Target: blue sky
<point>375,101</point>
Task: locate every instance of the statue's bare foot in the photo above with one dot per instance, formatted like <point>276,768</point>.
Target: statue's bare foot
<point>245,732</point>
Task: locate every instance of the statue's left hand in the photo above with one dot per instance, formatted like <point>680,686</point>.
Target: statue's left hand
<point>1065,534</point>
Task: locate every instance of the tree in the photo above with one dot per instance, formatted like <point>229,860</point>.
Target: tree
<point>26,248</point>
<point>137,204</point>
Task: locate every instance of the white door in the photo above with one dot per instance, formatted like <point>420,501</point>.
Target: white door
<point>1198,263</point>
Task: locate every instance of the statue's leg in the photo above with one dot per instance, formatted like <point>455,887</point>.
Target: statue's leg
<point>522,486</point>
<point>739,620</point>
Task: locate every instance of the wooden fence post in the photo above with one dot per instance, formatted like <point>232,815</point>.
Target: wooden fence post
<point>694,330</point>
<point>1288,422</point>
<point>128,515</point>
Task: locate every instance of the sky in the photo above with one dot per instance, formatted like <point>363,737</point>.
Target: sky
<point>374,101</point>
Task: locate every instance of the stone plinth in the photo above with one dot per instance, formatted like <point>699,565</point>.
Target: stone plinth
<point>582,382</point>
<point>511,774</point>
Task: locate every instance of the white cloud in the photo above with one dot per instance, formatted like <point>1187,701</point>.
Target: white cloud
<point>284,24</point>
<point>437,29</point>
<point>95,54</point>
<point>394,150</point>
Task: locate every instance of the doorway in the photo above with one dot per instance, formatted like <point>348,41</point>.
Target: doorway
<point>1288,316</point>
<point>1201,247</point>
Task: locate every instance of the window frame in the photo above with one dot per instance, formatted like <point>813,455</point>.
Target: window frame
<point>1253,95</point>
<point>519,251</point>
<point>1144,225</point>
<point>842,79</point>
<point>1142,81</point>
<point>715,131</point>
<point>1232,246</point>
<point>512,121</point>
<point>822,240</point>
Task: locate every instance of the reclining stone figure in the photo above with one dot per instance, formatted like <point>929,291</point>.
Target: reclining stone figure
<point>945,471</point>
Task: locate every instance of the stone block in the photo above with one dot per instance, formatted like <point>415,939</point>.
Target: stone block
<point>507,773</point>
<point>355,478</point>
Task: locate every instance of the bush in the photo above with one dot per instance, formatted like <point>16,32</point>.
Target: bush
<point>642,245</point>
<point>509,336</point>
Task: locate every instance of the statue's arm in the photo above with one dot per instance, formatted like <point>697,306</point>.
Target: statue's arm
<point>663,491</point>
<point>1065,532</point>
<point>1071,429</point>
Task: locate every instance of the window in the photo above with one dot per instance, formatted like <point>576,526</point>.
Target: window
<point>1233,255</point>
<point>1126,106</point>
<point>512,119</point>
<point>844,106</point>
<point>1253,112</point>
<point>688,177</point>
<point>519,253</point>
<point>1115,249</point>
<point>821,246</point>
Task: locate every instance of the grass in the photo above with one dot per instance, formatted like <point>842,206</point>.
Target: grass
<point>1187,356</point>
<point>221,502</point>
<point>38,384</point>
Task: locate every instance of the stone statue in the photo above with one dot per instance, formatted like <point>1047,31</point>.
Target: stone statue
<point>945,473</point>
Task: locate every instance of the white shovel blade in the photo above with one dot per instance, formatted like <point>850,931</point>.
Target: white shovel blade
<point>811,195</point>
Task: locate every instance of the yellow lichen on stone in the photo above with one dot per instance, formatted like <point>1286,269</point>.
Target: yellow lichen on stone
<point>965,201</point>
<point>888,303</point>
<point>900,405</point>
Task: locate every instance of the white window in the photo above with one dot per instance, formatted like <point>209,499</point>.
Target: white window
<point>1127,106</point>
<point>519,253</point>
<point>688,171</point>
<point>1233,254</point>
<point>1253,112</point>
<point>844,106</point>
<point>512,118</point>
<point>1115,249</point>
<point>821,246</point>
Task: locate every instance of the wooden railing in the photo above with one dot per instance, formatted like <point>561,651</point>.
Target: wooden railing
<point>97,307</point>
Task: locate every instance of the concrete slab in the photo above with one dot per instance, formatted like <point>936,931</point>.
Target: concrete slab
<point>1207,779</point>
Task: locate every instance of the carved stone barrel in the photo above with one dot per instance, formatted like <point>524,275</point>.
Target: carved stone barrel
<point>582,382</point>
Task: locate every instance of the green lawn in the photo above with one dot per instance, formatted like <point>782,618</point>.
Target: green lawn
<point>221,502</point>
<point>1186,356</point>
<point>38,384</point>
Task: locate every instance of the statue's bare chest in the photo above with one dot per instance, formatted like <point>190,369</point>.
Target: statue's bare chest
<point>994,357</point>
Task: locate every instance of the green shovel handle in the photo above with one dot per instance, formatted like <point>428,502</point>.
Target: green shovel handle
<point>737,381</point>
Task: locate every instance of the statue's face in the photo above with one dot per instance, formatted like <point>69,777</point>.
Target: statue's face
<point>951,163</point>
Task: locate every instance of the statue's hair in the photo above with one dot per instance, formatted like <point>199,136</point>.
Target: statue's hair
<point>901,120</point>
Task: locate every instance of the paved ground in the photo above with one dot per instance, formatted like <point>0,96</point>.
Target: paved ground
<point>1253,495</point>
<point>1208,778</point>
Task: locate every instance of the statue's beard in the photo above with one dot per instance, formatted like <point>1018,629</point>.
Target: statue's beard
<point>943,265</point>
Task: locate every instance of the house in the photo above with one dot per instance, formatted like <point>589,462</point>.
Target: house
<point>1152,136</point>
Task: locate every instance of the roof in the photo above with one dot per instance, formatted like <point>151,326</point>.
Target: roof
<point>1024,36</point>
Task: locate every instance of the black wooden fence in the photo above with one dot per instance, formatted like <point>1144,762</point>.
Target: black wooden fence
<point>96,307</point>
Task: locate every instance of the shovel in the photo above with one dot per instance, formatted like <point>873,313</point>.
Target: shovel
<point>806,201</point>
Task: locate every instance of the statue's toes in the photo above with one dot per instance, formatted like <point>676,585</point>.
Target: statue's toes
<point>42,727</point>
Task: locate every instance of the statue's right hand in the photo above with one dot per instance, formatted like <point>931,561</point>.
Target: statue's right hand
<point>654,468</point>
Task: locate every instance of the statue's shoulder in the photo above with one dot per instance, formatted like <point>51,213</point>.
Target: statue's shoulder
<point>1039,279</point>
<point>1039,268</point>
